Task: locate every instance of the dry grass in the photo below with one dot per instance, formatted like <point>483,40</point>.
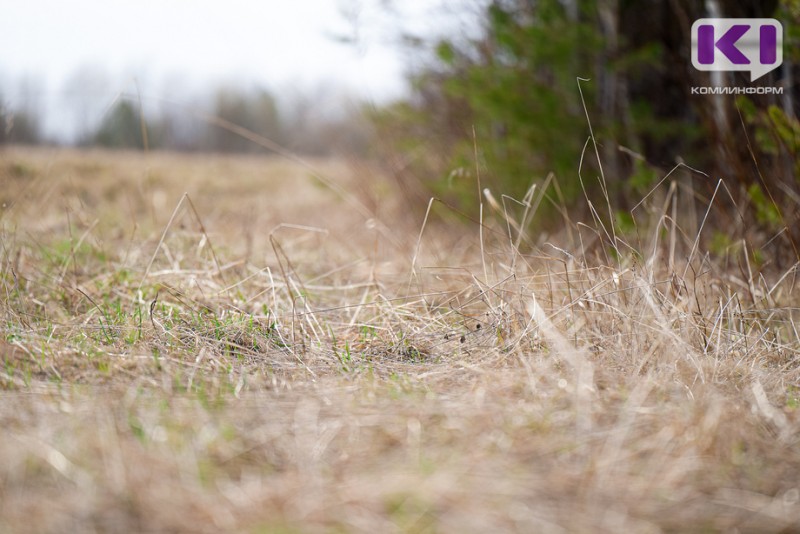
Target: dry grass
<point>279,354</point>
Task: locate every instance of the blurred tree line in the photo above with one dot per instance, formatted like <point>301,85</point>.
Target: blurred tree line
<point>310,124</point>
<point>508,94</point>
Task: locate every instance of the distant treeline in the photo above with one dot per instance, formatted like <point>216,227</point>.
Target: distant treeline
<point>235,120</point>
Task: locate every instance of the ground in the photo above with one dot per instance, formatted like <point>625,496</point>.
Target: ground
<point>197,343</point>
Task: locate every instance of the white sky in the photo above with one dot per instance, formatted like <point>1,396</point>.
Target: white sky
<point>168,46</point>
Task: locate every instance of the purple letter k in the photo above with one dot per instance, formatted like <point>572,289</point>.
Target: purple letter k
<point>726,44</point>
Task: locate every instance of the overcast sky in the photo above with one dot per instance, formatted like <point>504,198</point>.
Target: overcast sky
<point>167,46</point>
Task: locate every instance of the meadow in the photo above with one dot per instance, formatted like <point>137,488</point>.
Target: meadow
<point>199,343</point>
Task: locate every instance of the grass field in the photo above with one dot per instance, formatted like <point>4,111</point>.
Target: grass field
<point>207,344</point>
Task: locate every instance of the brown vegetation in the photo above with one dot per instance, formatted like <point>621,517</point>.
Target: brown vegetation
<point>271,352</point>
